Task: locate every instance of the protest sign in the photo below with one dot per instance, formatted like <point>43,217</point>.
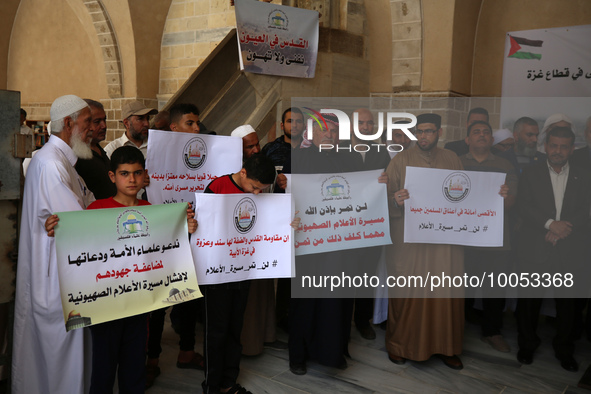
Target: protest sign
<point>453,207</point>
<point>276,40</point>
<point>181,164</point>
<point>242,236</point>
<point>340,211</point>
<point>119,262</point>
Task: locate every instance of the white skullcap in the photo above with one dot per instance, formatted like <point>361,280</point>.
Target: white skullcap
<point>49,128</point>
<point>555,119</point>
<point>243,131</point>
<point>66,106</point>
<point>501,135</point>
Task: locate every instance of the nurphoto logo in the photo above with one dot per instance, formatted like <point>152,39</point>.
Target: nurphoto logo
<point>388,122</point>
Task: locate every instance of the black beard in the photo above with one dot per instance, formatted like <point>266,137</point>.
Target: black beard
<point>430,146</point>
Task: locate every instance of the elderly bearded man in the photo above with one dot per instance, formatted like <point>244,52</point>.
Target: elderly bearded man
<point>95,171</point>
<point>46,358</point>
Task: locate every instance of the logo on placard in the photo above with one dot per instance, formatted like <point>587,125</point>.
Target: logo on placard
<point>194,153</point>
<point>75,320</point>
<point>336,188</point>
<point>278,20</point>
<point>456,187</point>
<point>131,223</point>
<point>245,215</point>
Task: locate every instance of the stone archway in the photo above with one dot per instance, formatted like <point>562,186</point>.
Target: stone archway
<point>109,46</point>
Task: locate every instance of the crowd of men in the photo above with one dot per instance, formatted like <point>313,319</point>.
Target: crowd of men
<point>547,201</point>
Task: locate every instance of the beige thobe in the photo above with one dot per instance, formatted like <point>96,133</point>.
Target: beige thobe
<point>421,327</point>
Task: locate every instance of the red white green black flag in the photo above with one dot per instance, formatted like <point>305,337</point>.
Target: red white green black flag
<point>518,42</point>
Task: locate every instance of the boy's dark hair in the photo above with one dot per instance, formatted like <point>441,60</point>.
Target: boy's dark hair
<point>260,168</point>
<point>295,110</point>
<point>561,132</point>
<point>178,110</point>
<point>477,123</point>
<point>23,112</point>
<point>127,155</point>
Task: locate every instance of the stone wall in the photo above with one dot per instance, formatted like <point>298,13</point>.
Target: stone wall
<point>192,30</point>
<point>406,44</point>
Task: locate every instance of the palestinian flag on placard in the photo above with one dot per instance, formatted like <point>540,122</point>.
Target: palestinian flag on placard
<point>516,46</point>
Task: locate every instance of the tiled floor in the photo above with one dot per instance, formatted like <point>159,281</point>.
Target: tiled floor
<point>370,371</point>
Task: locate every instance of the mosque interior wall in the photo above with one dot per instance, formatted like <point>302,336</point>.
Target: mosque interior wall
<point>147,50</point>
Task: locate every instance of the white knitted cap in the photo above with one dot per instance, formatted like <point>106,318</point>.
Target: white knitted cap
<point>66,106</point>
<point>243,131</point>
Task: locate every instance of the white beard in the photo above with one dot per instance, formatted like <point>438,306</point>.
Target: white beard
<point>81,149</point>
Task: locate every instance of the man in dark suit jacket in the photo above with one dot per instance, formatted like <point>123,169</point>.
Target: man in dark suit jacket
<point>373,159</point>
<point>582,158</point>
<point>553,201</point>
<point>524,152</point>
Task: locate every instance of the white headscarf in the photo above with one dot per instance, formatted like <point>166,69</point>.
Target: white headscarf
<point>549,122</point>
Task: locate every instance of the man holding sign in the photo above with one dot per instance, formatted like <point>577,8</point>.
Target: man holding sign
<point>478,260</point>
<point>421,327</point>
<point>320,327</point>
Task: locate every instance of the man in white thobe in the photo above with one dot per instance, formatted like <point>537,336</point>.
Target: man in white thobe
<point>46,358</point>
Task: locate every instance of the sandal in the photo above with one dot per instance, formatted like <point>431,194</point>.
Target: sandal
<point>237,389</point>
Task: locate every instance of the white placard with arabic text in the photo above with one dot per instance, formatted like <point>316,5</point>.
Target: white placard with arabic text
<point>182,164</point>
<point>340,211</point>
<point>453,207</point>
<point>276,40</point>
<point>242,236</point>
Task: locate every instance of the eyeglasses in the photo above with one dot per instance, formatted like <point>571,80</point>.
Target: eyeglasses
<point>427,132</point>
